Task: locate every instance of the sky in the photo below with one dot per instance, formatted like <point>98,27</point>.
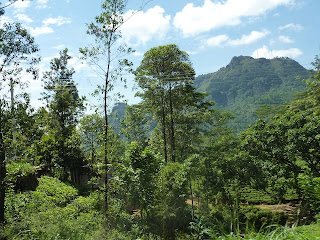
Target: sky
<point>210,31</point>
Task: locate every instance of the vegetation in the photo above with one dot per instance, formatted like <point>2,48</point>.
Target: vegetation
<point>246,83</point>
<point>177,171</point>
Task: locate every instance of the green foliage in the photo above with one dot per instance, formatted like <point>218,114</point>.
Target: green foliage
<point>54,193</point>
<point>165,76</point>
<point>253,218</point>
<point>108,54</point>
<point>310,188</point>
<point>17,170</point>
<point>223,219</point>
<point>17,46</point>
<point>53,211</point>
<point>137,123</point>
<point>172,211</point>
<point>257,195</point>
<point>145,165</point>
<point>17,57</point>
<point>64,109</point>
<point>288,143</point>
<point>280,233</point>
<point>201,230</point>
<point>21,176</point>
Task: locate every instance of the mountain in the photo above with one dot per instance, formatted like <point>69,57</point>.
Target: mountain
<point>117,113</point>
<point>247,83</point>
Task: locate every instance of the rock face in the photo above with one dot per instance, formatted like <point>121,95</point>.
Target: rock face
<point>247,83</point>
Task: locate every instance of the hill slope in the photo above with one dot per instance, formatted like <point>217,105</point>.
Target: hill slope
<point>247,83</point>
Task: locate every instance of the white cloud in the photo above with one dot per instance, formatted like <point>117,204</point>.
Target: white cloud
<point>292,26</point>
<point>224,40</point>
<point>20,6</point>
<point>264,52</point>
<point>192,52</point>
<point>42,4</point>
<point>79,64</point>
<point>5,19</point>
<point>217,40</point>
<point>40,30</point>
<point>60,47</point>
<point>193,20</point>
<point>247,39</point>
<point>143,26</point>
<point>285,39</point>
<point>46,29</point>
<point>23,17</point>
<point>57,21</point>
<point>136,53</point>
<point>47,60</point>
<point>75,62</point>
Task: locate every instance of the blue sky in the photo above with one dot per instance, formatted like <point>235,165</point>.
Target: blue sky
<point>211,31</point>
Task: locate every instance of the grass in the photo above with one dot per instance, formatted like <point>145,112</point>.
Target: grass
<point>306,232</point>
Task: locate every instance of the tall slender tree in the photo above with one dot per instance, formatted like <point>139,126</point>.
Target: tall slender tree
<point>108,56</point>
<point>17,49</point>
<point>64,105</point>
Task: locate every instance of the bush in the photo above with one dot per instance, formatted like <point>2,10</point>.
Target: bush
<point>253,218</point>
<point>53,211</point>
<point>225,220</point>
<point>310,188</point>
<point>21,176</point>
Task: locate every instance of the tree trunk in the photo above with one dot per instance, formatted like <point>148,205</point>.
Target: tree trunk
<point>173,159</point>
<point>13,118</point>
<point>2,171</point>
<point>106,160</point>
<point>164,129</point>
<point>191,193</point>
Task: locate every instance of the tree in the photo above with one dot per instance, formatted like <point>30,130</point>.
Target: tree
<point>288,144</point>
<point>17,48</point>
<point>106,30</point>
<point>137,124</point>
<point>144,166</point>
<point>171,209</point>
<point>64,105</point>
<point>165,74</point>
<point>91,129</point>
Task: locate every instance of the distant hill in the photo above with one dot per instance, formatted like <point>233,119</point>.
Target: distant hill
<point>247,83</point>
<point>117,113</point>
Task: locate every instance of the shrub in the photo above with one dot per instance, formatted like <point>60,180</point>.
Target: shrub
<point>53,211</point>
<point>225,219</point>
<point>253,218</point>
<point>310,188</point>
<point>21,176</point>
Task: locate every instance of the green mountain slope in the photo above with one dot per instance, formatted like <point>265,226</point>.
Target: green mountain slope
<point>247,83</point>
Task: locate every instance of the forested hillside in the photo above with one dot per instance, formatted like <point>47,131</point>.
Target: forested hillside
<point>247,83</point>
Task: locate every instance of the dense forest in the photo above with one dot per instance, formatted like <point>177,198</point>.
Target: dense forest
<point>175,166</point>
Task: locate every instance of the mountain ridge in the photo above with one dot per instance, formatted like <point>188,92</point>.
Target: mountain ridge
<point>246,83</point>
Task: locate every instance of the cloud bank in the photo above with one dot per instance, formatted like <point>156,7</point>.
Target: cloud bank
<point>193,20</point>
<point>224,40</point>
<point>141,27</point>
<point>264,52</point>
